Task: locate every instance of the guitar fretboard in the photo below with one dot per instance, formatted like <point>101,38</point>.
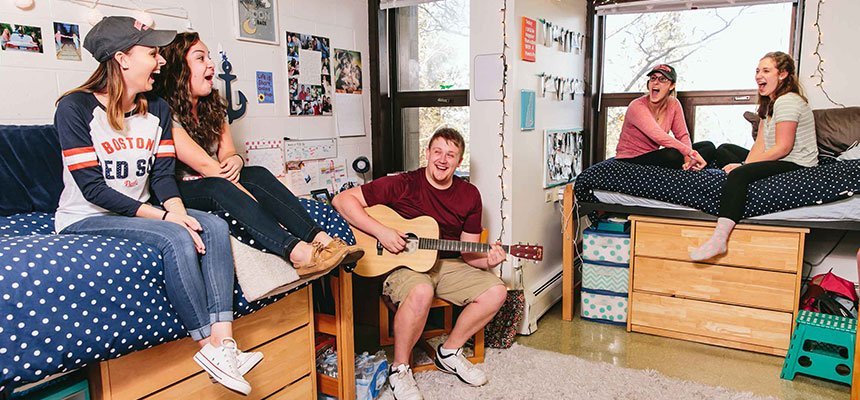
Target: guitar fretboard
<point>455,245</point>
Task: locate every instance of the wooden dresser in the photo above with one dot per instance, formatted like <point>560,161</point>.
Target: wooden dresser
<point>283,331</point>
<point>746,299</point>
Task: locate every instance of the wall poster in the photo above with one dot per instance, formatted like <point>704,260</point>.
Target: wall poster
<point>309,74</point>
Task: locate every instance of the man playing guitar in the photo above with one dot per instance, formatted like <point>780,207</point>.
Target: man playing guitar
<point>460,278</point>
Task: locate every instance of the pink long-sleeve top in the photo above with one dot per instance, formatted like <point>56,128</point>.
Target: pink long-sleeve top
<point>642,134</point>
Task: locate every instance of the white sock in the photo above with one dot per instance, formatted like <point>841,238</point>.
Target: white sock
<point>716,245</point>
<point>447,352</point>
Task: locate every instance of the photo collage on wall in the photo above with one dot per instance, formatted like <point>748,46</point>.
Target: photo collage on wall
<point>562,156</point>
<point>309,74</point>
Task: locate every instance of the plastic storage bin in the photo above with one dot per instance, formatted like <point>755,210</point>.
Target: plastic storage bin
<point>606,246</point>
<point>604,275</point>
<point>603,306</point>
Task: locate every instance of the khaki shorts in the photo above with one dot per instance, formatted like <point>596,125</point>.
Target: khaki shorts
<point>452,279</point>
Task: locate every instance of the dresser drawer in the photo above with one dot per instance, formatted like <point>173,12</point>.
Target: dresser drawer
<point>775,249</point>
<point>301,390</point>
<point>287,359</point>
<point>757,327</point>
<point>732,285</point>
<point>131,376</point>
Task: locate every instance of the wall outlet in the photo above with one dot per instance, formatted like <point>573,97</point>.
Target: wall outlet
<point>550,195</point>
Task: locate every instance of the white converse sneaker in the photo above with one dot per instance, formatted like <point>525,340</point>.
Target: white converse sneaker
<point>221,364</point>
<point>246,361</point>
<point>457,364</point>
<point>403,385</point>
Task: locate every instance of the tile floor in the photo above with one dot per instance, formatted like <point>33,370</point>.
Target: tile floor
<point>712,365</point>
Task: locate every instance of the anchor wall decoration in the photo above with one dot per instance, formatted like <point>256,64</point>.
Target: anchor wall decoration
<point>227,77</point>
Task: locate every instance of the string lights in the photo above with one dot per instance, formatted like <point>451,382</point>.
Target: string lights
<point>503,102</point>
<point>819,69</point>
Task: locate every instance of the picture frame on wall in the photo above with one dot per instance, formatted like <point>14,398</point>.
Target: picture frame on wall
<point>256,21</point>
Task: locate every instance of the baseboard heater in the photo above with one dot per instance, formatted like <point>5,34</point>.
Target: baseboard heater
<point>539,300</point>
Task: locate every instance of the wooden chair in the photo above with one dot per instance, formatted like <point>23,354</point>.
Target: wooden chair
<point>387,309</point>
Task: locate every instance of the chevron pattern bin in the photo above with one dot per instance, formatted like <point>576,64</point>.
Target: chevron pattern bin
<point>604,275</point>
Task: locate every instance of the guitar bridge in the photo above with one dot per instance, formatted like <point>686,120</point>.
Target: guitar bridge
<point>379,248</point>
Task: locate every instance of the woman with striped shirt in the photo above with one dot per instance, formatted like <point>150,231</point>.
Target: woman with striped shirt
<point>117,147</point>
<point>786,142</point>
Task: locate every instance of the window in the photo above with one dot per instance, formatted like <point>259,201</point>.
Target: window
<point>433,46</point>
<point>614,121</point>
<point>428,78</point>
<point>711,49</point>
<point>419,123</point>
<point>715,52</point>
<point>724,124</point>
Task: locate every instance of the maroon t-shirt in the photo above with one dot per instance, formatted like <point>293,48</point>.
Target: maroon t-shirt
<point>456,209</point>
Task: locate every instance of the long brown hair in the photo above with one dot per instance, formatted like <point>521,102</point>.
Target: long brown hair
<point>173,84</point>
<point>791,84</point>
<point>107,78</point>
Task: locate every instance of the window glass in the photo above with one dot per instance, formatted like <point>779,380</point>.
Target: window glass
<point>724,124</point>
<point>433,46</point>
<point>614,121</point>
<point>419,123</point>
<point>711,49</point>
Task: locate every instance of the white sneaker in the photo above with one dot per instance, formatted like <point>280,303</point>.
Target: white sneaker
<point>403,385</point>
<point>457,364</point>
<point>246,361</point>
<point>221,364</point>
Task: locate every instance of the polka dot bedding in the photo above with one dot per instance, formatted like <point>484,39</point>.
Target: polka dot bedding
<point>828,182</point>
<point>72,300</point>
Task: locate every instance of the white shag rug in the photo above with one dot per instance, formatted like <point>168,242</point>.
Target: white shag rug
<point>526,373</point>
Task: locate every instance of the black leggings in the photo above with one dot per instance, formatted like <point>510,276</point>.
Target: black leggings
<point>671,158</point>
<point>276,220</point>
<point>727,154</point>
<point>735,191</point>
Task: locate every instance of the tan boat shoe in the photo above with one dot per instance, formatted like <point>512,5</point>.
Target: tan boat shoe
<point>322,259</point>
<point>353,253</point>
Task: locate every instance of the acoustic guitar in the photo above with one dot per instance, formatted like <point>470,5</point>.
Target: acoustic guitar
<point>422,245</point>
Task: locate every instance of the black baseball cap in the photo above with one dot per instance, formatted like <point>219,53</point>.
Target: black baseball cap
<point>113,34</point>
<point>666,70</point>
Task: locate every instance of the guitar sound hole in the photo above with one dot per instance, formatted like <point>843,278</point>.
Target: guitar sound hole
<point>411,242</point>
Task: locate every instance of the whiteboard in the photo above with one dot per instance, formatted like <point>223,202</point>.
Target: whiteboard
<point>315,149</point>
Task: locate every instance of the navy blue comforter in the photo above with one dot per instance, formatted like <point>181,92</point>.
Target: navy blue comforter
<point>828,182</point>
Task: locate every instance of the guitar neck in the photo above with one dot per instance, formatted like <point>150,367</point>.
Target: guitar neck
<point>455,245</point>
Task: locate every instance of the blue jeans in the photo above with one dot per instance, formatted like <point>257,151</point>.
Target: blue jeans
<point>276,220</point>
<point>199,287</point>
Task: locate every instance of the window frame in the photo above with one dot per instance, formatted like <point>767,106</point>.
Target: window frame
<point>389,142</point>
<point>689,99</point>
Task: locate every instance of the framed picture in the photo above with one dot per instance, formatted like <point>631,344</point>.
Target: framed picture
<point>562,158</point>
<point>321,195</point>
<point>256,20</point>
